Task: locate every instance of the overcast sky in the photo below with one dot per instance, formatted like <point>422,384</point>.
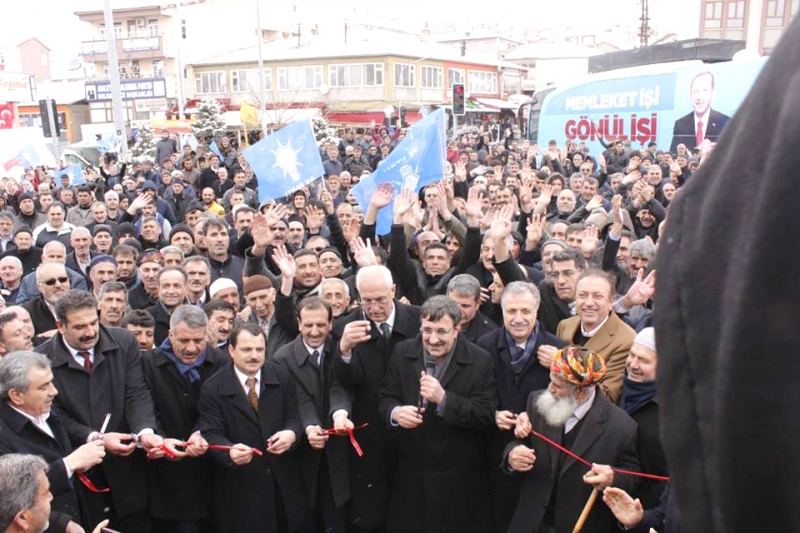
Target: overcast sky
<point>53,22</point>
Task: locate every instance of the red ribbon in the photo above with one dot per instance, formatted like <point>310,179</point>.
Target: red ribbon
<point>349,432</point>
<point>587,463</point>
<point>88,483</point>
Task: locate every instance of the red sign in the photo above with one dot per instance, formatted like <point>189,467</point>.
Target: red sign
<point>6,116</point>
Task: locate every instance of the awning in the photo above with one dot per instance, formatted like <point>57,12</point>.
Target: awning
<point>496,103</point>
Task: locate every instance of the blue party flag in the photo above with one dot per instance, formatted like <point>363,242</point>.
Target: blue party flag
<point>75,173</point>
<point>214,148</point>
<point>417,161</point>
<point>285,161</point>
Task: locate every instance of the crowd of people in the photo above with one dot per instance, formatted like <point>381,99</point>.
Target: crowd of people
<point>186,358</point>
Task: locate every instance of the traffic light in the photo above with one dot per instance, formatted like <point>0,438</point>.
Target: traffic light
<point>459,108</point>
<point>46,118</point>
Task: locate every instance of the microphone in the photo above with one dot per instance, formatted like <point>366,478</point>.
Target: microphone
<point>430,369</point>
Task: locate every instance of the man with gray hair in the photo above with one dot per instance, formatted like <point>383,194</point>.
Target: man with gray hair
<point>367,339</point>
<point>175,371</point>
<point>465,290</point>
<point>441,416</point>
<point>11,277</point>
<point>52,251</point>
<point>27,425</point>
<point>522,351</point>
<point>53,282</point>
<point>24,494</point>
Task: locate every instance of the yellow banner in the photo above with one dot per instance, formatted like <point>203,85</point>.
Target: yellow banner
<point>248,113</point>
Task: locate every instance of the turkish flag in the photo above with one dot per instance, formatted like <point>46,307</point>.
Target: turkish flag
<point>6,116</point>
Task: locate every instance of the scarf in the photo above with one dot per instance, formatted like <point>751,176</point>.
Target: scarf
<point>190,372</point>
<point>519,356</point>
<point>634,394</point>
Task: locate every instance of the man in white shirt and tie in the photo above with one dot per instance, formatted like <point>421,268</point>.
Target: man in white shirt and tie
<point>702,127</point>
<point>28,426</point>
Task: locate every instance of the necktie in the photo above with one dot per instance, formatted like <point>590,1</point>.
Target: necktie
<point>386,336</point>
<point>87,361</point>
<point>252,396</point>
<point>700,135</point>
<point>315,355</point>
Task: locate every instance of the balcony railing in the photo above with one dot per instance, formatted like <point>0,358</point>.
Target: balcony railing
<point>149,46</point>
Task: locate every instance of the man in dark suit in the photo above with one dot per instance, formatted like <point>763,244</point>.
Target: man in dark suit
<point>175,373</point>
<point>522,351</point>
<point>439,421</point>
<point>28,426</point>
<point>572,412</point>
<point>702,127</point>
<point>367,339</point>
<point>98,371</point>
<point>323,461</point>
<point>171,293</point>
<point>53,282</point>
<point>251,406</point>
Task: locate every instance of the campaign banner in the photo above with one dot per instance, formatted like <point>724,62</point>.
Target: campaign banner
<point>16,86</point>
<point>686,105</point>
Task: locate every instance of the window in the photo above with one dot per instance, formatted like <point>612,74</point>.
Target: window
<point>455,75</point>
<point>243,81</point>
<point>775,11</point>
<point>431,77</point>
<point>735,14</point>
<point>118,30</point>
<point>713,15</point>
<point>357,75</point>
<point>158,68</point>
<point>299,78</point>
<point>131,29</point>
<point>404,75</point>
<point>482,82</point>
<point>152,25</point>
<point>795,7</point>
<point>210,82</point>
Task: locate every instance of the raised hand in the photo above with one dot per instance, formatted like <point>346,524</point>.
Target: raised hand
<point>501,225</point>
<point>633,166</point>
<point>314,217</point>
<point>351,230</point>
<point>642,290</point>
<point>461,171</point>
<point>526,193</point>
<point>285,262</point>
<point>363,253</point>
<point>327,202</point>
<point>403,204</point>
<point>591,236</point>
<point>535,232</point>
<point>261,232</point>
<point>632,177</point>
<point>382,195</point>
<point>473,208</point>
<point>546,195</point>
<point>594,203</point>
<point>276,212</point>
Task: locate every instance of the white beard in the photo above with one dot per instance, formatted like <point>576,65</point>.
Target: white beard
<point>556,411</point>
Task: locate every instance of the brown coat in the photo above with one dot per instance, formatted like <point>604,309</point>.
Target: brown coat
<point>612,342</point>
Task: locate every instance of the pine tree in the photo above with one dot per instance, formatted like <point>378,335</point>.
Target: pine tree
<point>323,131</point>
<point>145,147</point>
<point>209,124</point>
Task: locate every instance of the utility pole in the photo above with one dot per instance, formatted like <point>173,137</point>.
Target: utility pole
<point>181,37</point>
<point>116,87</point>
<point>262,112</point>
<point>644,28</point>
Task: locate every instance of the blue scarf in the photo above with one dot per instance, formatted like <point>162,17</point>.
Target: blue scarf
<point>635,395</point>
<point>191,373</point>
<point>519,357</point>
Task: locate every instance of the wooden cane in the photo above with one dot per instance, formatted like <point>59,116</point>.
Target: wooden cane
<point>586,510</point>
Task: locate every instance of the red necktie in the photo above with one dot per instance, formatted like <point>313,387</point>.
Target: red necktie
<point>87,361</point>
<point>699,136</point>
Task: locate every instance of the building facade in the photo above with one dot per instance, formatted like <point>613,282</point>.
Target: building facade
<point>759,22</point>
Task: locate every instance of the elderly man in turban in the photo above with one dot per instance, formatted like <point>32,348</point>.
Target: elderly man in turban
<point>573,413</point>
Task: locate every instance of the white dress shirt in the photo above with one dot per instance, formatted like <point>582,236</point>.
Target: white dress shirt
<point>242,377</point>
<point>580,412</point>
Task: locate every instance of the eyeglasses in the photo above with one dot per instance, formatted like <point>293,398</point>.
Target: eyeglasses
<point>52,281</point>
<point>369,302</point>
<point>439,332</point>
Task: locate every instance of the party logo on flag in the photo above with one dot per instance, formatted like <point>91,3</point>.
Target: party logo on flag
<point>417,161</point>
<point>285,161</point>
<point>27,157</point>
